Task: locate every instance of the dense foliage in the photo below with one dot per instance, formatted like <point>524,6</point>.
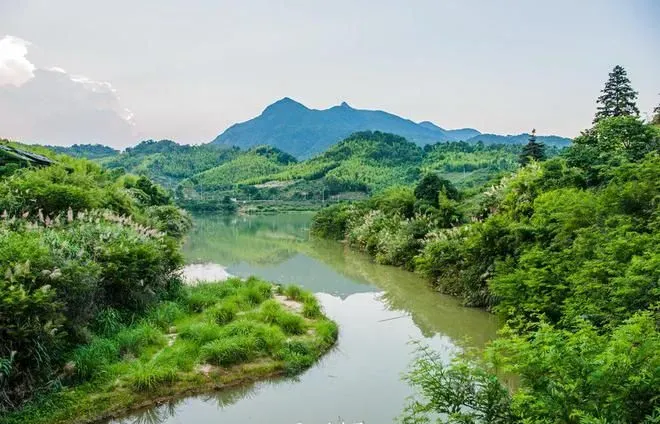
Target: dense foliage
<point>204,177</point>
<point>87,151</point>
<point>77,243</point>
<point>565,251</point>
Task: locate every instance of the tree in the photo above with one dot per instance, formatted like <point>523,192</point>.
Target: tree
<point>656,115</point>
<point>627,135</point>
<point>618,98</point>
<point>430,186</point>
<point>532,150</point>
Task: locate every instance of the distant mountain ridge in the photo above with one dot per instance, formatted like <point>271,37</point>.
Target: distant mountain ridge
<point>304,132</point>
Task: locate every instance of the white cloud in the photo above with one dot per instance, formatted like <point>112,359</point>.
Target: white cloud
<point>52,106</point>
<point>15,69</point>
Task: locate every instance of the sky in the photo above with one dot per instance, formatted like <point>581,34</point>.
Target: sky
<point>116,72</point>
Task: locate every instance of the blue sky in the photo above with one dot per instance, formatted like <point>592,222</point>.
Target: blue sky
<point>120,71</point>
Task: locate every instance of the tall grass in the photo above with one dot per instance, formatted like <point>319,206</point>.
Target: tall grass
<point>229,351</point>
<point>135,339</point>
<point>165,314</point>
<point>91,360</point>
<point>147,376</point>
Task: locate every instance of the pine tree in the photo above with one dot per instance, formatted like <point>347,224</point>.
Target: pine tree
<point>532,150</point>
<point>618,98</point>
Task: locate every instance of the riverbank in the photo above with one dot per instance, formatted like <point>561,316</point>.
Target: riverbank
<point>213,336</point>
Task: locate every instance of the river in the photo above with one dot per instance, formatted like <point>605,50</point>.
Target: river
<point>380,311</point>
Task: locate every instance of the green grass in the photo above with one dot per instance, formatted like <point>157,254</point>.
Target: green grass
<point>147,376</point>
<point>293,292</point>
<point>236,327</point>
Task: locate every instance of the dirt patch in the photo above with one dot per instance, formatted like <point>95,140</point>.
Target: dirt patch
<point>291,305</point>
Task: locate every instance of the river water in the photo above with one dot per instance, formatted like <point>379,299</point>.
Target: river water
<point>380,311</point>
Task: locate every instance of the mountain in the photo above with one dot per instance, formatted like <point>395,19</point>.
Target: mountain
<point>549,140</point>
<point>304,132</point>
<point>460,134</point>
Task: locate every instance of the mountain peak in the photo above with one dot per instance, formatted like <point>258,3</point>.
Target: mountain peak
<point>286,104</point>
<point>345,105</point>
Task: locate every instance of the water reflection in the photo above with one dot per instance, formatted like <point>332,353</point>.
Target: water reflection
<point>379,310</point>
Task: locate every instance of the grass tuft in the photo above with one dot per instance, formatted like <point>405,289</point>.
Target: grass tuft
<point>147,376</point>
<point>229,351</point>
<point>165,314</point>
<point>224,313</point>
<point>91,360</point>
<point>311,308</point>
<point>294,292</point>
<point>202,332</point>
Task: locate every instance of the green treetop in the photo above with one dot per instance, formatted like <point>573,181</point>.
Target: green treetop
<point>618,98</point>
<point>656,115</point>
<point>532,150</point>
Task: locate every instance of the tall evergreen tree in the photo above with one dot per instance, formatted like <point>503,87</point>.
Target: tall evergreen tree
<point>618,98</point>
<point>532,150</point>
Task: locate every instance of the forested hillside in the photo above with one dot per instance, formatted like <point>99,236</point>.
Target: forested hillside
<point>565,250</point>
<point>206,177</point>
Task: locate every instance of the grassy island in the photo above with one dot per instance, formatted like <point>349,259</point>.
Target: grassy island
<point>212,336</point>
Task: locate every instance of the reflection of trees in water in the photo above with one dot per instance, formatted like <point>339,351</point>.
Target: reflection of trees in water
<point>431,311</point>
<point>272,240</point>
<point>154,415</point>
<point>228,397</point>
<point>261,240</point>
<point>221,398</point>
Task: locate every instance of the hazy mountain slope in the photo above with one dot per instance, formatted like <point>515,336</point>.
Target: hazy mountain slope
<point>550,140</point>
<point>304,132</point>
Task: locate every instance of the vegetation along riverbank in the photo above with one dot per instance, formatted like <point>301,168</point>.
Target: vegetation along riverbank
<point>94,318</point>
<point>564,249</point>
